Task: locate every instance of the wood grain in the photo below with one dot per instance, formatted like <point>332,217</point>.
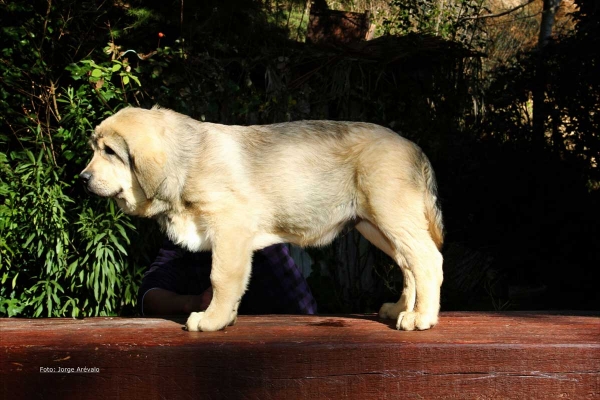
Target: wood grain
<point>467,356</point>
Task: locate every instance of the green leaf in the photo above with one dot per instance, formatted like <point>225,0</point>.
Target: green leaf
<point>59,248</point>
<point>30,156</point>
<point>99,237</point>
<point>72,267</point>
<point>68,154</point>
<point>28,241</point>
<point>136,80</point>
<point>56,299</point>
<point>96,73</point>
<point>121,248</point>
<point>49,304</point>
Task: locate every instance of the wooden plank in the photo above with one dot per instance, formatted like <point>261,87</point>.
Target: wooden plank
<point>467,356</point>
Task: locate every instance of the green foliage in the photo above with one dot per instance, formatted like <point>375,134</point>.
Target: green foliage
<point>33,229</point>
<point>103,236</point>
<point>453,20</point>
<point>61,253</point>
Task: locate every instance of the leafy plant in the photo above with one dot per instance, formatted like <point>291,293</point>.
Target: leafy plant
<point>61,252</point>
<point>453,20</point>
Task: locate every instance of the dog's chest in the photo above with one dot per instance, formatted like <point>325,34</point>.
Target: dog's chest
<point>187,231</point>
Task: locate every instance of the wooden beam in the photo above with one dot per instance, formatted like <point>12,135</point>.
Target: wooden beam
<point>467,356</point>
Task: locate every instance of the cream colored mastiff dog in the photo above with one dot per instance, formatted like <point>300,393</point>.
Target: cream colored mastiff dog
<point>236,189</point>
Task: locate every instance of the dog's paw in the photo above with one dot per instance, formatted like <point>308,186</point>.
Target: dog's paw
<point>389,311</point>
<point>412,320</point>
<point>393,310</point>
<point>193,322</point>
<point>199,321</point>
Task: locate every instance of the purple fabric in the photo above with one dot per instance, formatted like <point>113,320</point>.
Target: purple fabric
<point>276,286</point>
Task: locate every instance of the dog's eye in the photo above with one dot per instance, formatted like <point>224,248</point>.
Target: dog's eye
<point>109,151</point>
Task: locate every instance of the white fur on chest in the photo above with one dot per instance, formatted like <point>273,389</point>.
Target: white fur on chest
<point>186,231</point>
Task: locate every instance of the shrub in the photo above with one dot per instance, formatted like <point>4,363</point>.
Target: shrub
<point>61,252</point>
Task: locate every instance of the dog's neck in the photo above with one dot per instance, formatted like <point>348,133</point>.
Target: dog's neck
<point>154,208</point>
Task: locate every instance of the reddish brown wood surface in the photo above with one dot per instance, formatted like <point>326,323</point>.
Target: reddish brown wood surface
<point>467,356</point>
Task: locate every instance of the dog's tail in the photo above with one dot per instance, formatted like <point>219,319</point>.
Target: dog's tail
<point>433,212</point>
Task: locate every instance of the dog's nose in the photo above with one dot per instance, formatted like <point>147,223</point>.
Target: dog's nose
<point>85,177</point>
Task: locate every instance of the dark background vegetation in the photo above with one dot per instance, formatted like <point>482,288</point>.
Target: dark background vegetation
<point>519,194</point>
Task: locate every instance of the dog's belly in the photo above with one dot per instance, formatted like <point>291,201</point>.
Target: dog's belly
<point>313,238</point>
<point>306,227</point>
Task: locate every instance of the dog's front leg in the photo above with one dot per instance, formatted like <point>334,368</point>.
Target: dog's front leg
<point>231,265</point>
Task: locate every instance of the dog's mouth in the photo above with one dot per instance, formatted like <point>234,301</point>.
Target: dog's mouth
<point>117,195</point>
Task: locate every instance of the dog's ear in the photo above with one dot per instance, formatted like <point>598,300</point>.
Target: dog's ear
<point>148,159</point>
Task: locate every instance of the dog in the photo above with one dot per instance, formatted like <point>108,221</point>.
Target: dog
<point>236,189</point>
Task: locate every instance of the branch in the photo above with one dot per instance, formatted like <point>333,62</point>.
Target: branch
<point>500,13</point>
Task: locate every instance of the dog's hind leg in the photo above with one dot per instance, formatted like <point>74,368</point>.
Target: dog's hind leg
<point>400,218</point>
<point>407,300</point>
<point>232,261</point>
<point>421,263</point>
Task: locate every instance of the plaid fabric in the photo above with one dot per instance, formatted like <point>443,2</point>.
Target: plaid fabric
<point>276,286</point>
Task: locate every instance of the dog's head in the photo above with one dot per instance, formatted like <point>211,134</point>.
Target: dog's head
<point>129,159</point>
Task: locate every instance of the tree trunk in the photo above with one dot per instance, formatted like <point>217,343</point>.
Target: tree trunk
<point>540,111</point>
<point>550,7</point>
